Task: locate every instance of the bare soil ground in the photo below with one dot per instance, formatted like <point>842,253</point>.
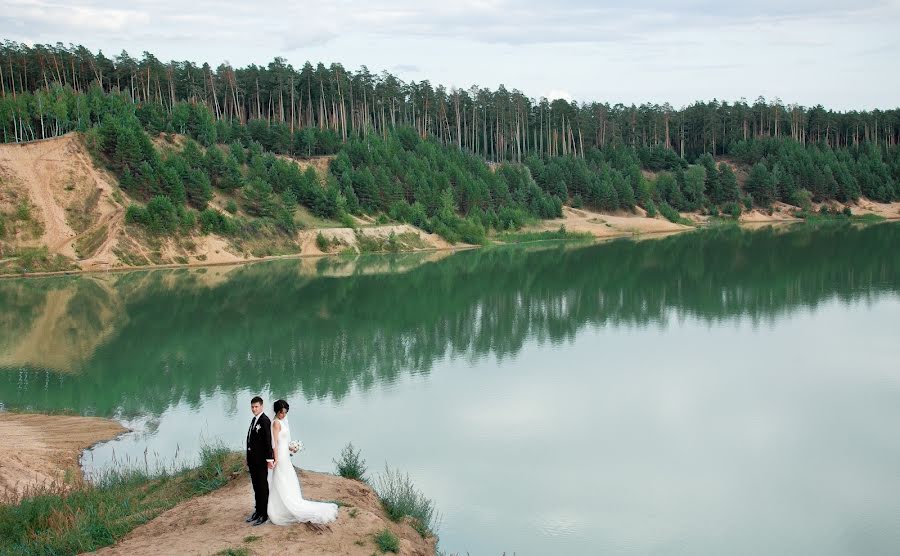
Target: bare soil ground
<point>38,450</point>
<point>885,210</point>
<point>609,225</point>
<point>780,212</point>
<point>215,522</point>
<point>59,179</point>
<point>343,238</point>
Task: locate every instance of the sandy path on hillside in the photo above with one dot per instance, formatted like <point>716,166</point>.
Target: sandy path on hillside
<point>37,449</point>
<point>35,166</point>
<point>214,522</point>
<point>34,163</point>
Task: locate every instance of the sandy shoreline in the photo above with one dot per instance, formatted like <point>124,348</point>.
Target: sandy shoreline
<point>241,262</point>
<point>37,450</point>
<point>601,226</point>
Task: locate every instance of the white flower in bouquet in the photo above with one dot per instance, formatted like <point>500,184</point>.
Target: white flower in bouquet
<point>295,446</point>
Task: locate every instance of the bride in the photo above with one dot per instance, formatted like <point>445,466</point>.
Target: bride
<point>286,503</point>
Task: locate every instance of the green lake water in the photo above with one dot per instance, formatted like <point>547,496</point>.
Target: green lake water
<point>718,392</point>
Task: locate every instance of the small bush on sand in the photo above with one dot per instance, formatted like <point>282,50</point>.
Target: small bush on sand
<point>351,465</point>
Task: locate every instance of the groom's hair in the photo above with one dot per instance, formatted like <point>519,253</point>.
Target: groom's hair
<point>256,399</point>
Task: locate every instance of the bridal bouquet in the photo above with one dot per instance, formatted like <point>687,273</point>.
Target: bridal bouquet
<point>294,446</point>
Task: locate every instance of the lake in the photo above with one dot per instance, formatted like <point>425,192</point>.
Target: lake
<point>717,392</point>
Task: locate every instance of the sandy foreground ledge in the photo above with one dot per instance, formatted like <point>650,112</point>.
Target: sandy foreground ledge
<point>215,522</point>
<point>38,449</point>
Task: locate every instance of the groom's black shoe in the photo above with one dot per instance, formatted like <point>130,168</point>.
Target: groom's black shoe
<point>253,517</point>
<point>260,521</point>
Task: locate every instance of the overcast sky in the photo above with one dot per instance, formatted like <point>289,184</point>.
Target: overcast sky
<point>842,54</point>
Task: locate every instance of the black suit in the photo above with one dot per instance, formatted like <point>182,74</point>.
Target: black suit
<point>259,449</point>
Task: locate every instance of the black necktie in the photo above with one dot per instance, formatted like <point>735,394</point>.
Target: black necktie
<point>250,430</point>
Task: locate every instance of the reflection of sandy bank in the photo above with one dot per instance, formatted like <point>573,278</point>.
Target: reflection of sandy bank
<point>67,327</point>
<point>66,324</point>
<point>38,449</point>
<point>373,264</point>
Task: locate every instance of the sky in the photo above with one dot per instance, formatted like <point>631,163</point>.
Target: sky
<point>840,54</point>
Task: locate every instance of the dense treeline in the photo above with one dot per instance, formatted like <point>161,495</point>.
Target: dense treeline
<point>498,125</point>
<point>417,153</point>
<point>436,187</point>
<point>429,185</point>
<point>787,171</point>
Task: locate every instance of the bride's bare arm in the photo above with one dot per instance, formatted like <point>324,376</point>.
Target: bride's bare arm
<point>276,427</point>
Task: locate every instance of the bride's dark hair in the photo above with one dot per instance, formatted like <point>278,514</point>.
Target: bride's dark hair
<point>281,404</point>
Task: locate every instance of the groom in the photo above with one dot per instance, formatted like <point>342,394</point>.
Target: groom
<point>260,459</point>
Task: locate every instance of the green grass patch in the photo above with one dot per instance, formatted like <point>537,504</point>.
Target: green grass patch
<point>89,516</point>
<point>251,538</point>
<point>307,220</point>
<point>233,552</point>
<point>412,240</point>
<point>546,235</point>
<point>815,217</point>
<point>79,214</point>
<point>130,257</point>
<point>387,541</point>
<point>35,259</point>
<point>867,218</point>
<point>722,222</point>
<point>89,243</point>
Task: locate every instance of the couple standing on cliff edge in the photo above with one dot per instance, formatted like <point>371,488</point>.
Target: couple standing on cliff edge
<point>278,496</point>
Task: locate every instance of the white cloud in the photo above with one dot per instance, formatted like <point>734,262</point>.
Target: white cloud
<point>36,13</point>
<point>554,94</point>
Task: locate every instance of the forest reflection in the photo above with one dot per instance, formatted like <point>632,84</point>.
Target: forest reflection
<point>136,343</point>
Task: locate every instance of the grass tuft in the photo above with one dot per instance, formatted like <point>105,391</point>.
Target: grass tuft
<point>351,465</point>
<point>400,498</point>
<point>387,541</point>
<point>233,552</point>
<point>216,468</point>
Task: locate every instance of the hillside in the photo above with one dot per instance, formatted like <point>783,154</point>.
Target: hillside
<point>75,211</point>
<point>61,211</point>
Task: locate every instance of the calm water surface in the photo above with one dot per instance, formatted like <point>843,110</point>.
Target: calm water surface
<point>723,392</point>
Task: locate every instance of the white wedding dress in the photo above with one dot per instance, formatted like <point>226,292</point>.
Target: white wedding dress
<point>286,503</point>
